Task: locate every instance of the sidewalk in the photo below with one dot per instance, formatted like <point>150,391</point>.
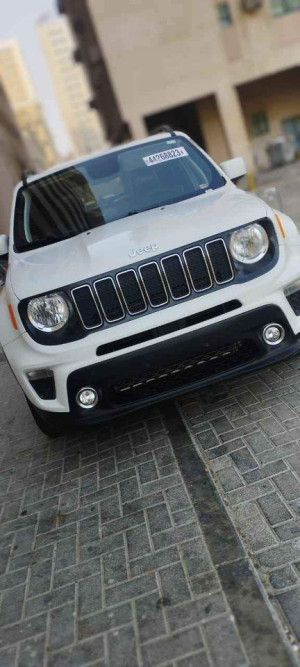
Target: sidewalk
<point>248,433</point>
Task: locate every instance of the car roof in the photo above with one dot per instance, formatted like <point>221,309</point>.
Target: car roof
<point>71,163</point>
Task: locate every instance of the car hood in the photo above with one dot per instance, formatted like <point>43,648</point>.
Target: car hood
<point>113,245</point>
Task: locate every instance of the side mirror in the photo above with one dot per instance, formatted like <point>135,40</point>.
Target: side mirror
<point>3,245</point>
<point>234,168</point>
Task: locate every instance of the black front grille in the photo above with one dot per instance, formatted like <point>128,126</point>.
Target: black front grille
<point>87,307</point>
<point>198,269</point>
<point>175,276</point>
<point>154,284</point>
<point>184,372</point>
<point>131,292</point>
<point>220,261</point>
<point>109,299</point>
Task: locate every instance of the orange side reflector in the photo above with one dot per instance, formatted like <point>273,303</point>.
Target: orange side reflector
<point>12,317</point>
<point>281,227</point>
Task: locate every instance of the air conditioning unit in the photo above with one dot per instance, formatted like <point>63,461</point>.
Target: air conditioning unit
<point>251,5</point>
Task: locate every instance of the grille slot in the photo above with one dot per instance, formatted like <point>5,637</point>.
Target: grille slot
<point>220,261</point>
<point>207,364</point>
<point>153,284</point>
<point>109,299</point>
<point>86,307</point>
<point>197,269</point>
<point>175,276</point>
<point>131,292</point>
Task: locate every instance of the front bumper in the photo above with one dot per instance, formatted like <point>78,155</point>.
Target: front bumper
<point>184,363</point>
<point>80,358</point>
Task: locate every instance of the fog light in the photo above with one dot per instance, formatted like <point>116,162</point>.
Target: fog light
<point>87,397</point>
<point>273,334</point>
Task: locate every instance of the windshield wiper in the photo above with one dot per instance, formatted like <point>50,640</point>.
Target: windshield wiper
<point>143,209</point>
<point>175,200</point>
<point>22,247</point>
<point>38,244</point>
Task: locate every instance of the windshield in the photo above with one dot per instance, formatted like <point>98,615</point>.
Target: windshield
<point>109,187</point>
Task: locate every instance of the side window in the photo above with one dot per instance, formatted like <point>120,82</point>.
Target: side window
<point>259,124</point>
<point>280,7</point>
<point>291,127</point>
<point>19,231</point>
<point>224,12</point>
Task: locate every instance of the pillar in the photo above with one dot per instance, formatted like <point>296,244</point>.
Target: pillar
<point>212,128</point>
<point>137,126</point>
<point>235,127</point>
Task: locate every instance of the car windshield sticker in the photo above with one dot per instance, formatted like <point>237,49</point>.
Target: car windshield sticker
<point>171,154</point>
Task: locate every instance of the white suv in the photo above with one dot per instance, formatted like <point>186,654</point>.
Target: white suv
<point>138,274</point>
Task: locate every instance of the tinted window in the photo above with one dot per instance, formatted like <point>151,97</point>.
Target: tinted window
<point>107,188</point>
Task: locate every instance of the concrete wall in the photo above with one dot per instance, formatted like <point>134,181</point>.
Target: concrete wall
<point>279,98</point>
<point>215,139</point>
<point>71,86</point>
<point>26,108</point>
<point>161,54</point>
<point>13,160</point>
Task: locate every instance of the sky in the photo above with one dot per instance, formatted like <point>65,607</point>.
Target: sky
<point>18,21</point>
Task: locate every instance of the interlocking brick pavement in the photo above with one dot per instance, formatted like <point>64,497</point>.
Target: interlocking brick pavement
<point>103,560</point>
<point>247,431</point>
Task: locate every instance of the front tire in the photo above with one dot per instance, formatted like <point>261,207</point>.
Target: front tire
<point>51,424</point>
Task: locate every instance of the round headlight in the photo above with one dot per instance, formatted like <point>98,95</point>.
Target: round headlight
<point>249,244</point>
<point>48,313</point>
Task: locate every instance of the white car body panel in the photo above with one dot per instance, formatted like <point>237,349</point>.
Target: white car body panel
<point>118,245</point>
<point>110,246</point>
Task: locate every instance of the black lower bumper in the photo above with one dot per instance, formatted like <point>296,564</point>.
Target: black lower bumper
<point>183,363</point>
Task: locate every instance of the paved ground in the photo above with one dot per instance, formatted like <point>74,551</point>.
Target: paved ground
<point>248,431</point>
<point>171,537</point>
<point>116,549</point>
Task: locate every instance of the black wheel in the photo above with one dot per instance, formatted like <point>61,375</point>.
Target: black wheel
<point>51,424</point>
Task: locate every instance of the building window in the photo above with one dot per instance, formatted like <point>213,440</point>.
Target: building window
<point>224,12</point>
<point>291,127</point>
<point>260,124</point>
<point>280,7</point>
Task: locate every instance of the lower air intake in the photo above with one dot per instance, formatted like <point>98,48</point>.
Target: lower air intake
<point>184,372</point>
<point>294,301</point>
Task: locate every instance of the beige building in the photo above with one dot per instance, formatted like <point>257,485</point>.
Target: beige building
<point>13,159</point>
<point>27,110</point>
<point>71,86</point>
<point>225,72</point>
